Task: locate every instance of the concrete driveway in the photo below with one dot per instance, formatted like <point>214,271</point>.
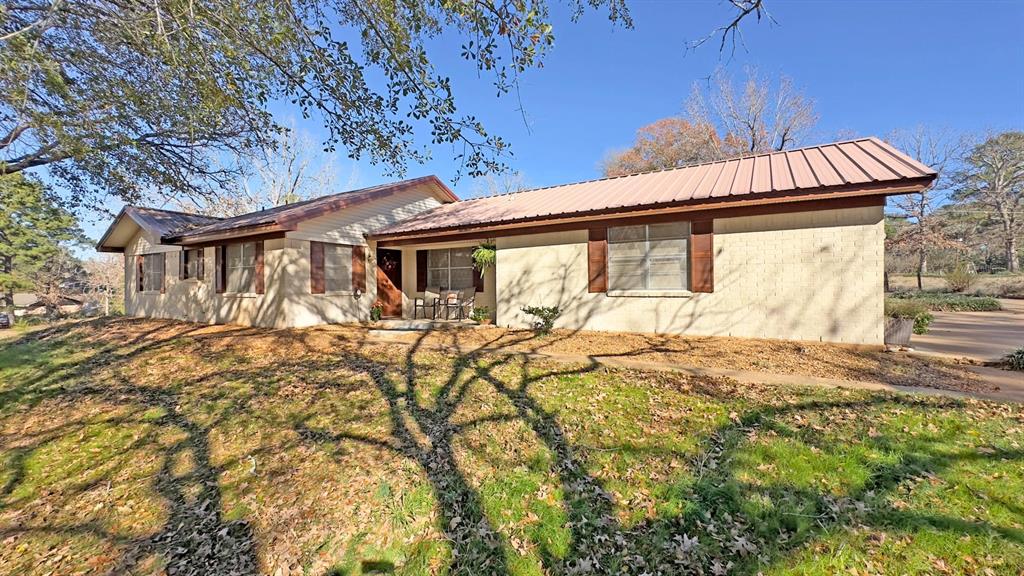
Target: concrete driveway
<point>983,336</point>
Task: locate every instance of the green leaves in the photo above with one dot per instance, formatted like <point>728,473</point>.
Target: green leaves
<point>172,96</point>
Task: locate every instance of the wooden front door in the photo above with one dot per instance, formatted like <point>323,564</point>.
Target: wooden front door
<point>389,281</point>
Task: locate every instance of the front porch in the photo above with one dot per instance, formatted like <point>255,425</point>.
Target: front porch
<point>406,274</point>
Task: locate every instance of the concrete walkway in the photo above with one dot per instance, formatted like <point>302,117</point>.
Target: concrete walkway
<point>980,336</point>
<point>1011,384</point>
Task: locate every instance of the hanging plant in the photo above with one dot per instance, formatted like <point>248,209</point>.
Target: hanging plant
<point>484,257</point>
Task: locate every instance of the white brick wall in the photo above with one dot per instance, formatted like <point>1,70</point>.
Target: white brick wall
<point>803,276</point>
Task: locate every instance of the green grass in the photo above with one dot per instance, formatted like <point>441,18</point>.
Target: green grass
<point>950,302</point>
<point>139,447</point>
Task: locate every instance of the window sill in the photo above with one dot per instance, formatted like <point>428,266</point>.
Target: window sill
<point>338,293</point>
<point>239,294</point>
<point>649,294</point>
<point>190,281</point>
<point>151,292</point>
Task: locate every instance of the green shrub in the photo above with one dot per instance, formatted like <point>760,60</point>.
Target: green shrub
<point>545,315</point>
<point>1015,359</point>
<point>909,310</point>
<point>960,277</point>
<point>480,313</point>
<point>946,302</point>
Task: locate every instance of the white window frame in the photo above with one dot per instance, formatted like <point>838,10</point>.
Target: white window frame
<point>646,260</point>
<point>342,259</point>
<point>151,271</point>
<point>191,265</point>
<point>233,264</point>
<point>448,269</point>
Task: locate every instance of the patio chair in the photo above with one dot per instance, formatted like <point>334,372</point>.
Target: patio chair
<point>429,300</point>
<point>468,303</point>
<point>452,300</point>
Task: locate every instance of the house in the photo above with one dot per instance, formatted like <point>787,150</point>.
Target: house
<point>29,304</point>
<point>782,245</point>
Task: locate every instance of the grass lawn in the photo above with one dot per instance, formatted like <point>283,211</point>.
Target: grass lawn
<point>148,447</point>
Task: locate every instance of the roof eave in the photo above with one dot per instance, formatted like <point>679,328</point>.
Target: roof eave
<point>236,233</point>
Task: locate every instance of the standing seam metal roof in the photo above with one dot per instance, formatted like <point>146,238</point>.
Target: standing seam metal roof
<point>812,170</point>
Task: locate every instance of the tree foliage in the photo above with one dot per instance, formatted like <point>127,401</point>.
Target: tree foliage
<point>993,176</point>
<point>942,151</point>
<point>129,98</point>
<point>666,143</point>
<point>721,122</point>
<point>761,115</point>
<point>34,231</point>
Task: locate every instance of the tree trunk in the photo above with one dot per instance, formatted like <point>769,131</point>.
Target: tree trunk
<point>1012,262</point>
<point>8,295</point>
<point>885,278</point>
<point>922,268</point>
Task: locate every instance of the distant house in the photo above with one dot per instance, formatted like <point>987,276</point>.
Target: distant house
<point>782,245</point>
<point>29,304</point>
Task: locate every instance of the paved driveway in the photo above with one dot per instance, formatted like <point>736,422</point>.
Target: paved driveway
<point>981,336</point>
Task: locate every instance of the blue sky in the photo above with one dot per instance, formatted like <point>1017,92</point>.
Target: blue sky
<point>869,66</point>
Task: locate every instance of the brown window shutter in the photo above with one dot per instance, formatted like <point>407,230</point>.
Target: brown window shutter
<point>359,268</point>
<point>201,264</point>
<point>702,256</point>
<point>478,279</point>
<point>138,271</point>
<point>181,264</point>
<point>316,268</point>
<point>421,270</point>
<point>220,268</point>
<point>597,260</point>
<point>260,281</point>
<point>163,277</point>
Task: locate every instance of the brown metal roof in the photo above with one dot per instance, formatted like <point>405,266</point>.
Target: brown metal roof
<point>154,221</point>
<point>285,217</point>
<point>866,164</point>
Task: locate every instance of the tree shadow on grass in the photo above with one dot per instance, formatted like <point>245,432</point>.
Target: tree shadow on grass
<point>195,539</point>
<point>718,532</point>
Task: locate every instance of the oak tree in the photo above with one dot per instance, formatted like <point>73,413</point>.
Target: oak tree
<point>993,176</point>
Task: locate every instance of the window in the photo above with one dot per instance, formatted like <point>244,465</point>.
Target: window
<point>337,268</point>
<point>152,272</point>
<point>649,257</point>
<point>241,267</point>
<point>192,264</point>
<point>451,269</point>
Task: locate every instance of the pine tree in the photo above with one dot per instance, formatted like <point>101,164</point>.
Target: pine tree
<point>34,228</point>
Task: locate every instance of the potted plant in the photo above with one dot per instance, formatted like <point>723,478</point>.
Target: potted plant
<point>481,314</point>
<point>903,318</point>
<point>484,257</point>
<point>376,311</point>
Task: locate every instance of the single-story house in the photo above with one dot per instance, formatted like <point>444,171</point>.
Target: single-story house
<point>781,245</point>
<point>30,304</point>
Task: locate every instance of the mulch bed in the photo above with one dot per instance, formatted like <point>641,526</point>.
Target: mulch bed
<point>776,356</point>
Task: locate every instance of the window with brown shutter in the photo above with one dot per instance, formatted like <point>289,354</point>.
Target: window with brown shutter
<point>316,268</point>
<point>358,269</point>
<point>702,256</point>
<point>421,270</point>
<point>139,273</point>
<point>220,256</point>
<point>260,280</point>
<point>190,264</point>
<point>478,279</point>
<point>597,260</point>
<point>151,271</point>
